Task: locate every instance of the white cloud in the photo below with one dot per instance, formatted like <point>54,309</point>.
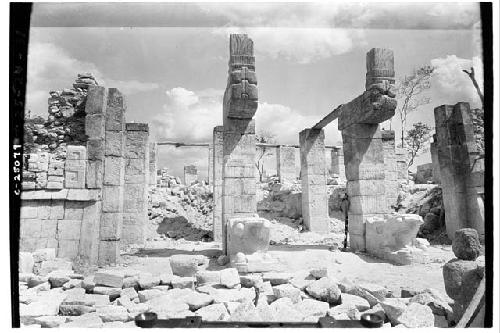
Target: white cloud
<point>450,85</point>
<point>188,115</point>
<point>302,45</point>
<point>50,67</point>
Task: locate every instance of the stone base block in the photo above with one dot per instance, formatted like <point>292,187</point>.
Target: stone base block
<point>247,235</point>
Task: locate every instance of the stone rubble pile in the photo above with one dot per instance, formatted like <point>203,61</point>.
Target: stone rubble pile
<point>181,209</point>
<point>66,116</point>
<point>53,295</point>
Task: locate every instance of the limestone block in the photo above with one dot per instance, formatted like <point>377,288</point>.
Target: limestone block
<point>134,198</point>
<point>371,107</point>
<point>115,111</point>
<point>94,126</point>
<point>73,210</point>
<point>135,171</point>
<point>187,265</point>
<point>111,226</point>
<point>76,153</point>
<point>94,174</point>
<point>136,143</point>
<point>367,204</point>
<point>49,229</point>
<point>133,228</point>
<point>395,232</point>
<point>109,278</point>
<point>95,149</point>
<point>247,235</point>
<point>233,169</point>
<point>96,99</point>
<point>30,228</point>
<point>67,249</point>
<point>112,197</point>
<point>56,168</point>
<point>68,229</point>
<point>239,186</point>
<point>109,253</point>
<point>357,242</point>
<point>114,170</point>
<point>371,186</point>
<point>240,203</point>
<point>55,185</point>
<point>26,262</point>
<point>74,171</point>
<point>114,143</point>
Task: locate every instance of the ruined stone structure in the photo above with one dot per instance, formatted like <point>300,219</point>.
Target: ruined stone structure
<point>313,175</point>
<point>137,164</point>
<point>364,148</point>
<point>73,196</point>
<point>239,204</point>
<point>190,174</point>
<point>337,163</point>
<point>218,162</point>
<point>424,173</point>
<point>285,164</point>
<point>461,169</point>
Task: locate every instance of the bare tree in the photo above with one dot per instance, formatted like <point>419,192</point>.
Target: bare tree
<point>416,139</point>
<point>477,114</point>
<point>410,92</point>
<point>263,137</point>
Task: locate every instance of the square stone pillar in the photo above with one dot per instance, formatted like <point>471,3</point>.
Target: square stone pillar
<point>365,172</point>
<point>313,174</point>
<point>190,174</point>
<point>153,163</point>
<point>240,105</point>
<point>219,232</point>
<point>210,164</point>
<point>402,165</point>
<point>337,162</point>
<point>137,160</point>
<point>458,171</point>
<point>285,166</point>
<point>391,172</point>
<point>114,178</point>
<point>95,108</point>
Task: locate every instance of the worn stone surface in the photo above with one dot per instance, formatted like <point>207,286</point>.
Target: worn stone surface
<point>109,278</point>
<point>287,290</point>
<point>285,158</point>
<point>214,312</point>
<point>325,289</point>
<point>187,265</point>
<point>466,244</point>
<point>313,175</point>
<point>417,315</point>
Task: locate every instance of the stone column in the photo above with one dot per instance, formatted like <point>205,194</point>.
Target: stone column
<point>135,209</point>
<point>337,162</point>
<point>95,108</point>
<point>219,233</point>
<point>190,174</point>
<point>435,160</point>
<point>114,177</point>
<point>153,162</point>
<point>240,105</point>
<point>391,171</point>
<point>313,174</point>
<point>457,154</point>
<point>363,145</point>
<point>365,172</point>
<point>210,175</point>
<point>285,166</point>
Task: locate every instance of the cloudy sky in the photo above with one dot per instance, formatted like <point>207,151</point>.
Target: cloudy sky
<point>170,60</point>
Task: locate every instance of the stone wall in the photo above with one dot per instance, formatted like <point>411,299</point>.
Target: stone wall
<point>73,195</point>
<point>190,174</point>
<point>424,173</point>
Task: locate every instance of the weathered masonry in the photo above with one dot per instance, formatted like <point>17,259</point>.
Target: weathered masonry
<point>461,168</point>
<point>89,199</point>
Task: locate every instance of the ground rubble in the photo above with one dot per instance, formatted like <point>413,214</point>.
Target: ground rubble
<point>52,294</point>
